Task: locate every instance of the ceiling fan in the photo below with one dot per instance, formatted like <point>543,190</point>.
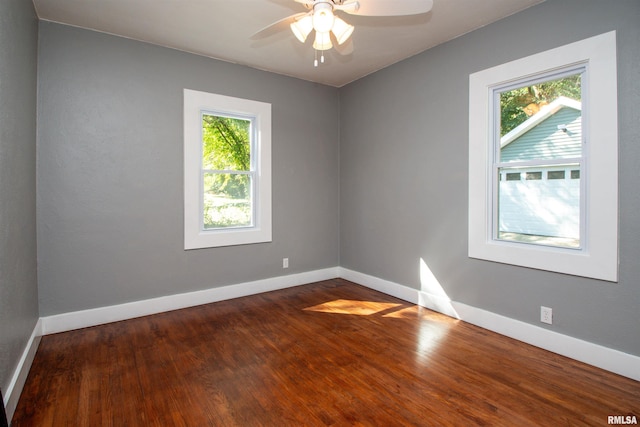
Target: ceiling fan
<point>328,27</point>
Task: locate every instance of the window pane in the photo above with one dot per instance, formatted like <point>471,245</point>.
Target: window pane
<point>227,200</point>
<point>540,124</point>
<point>541,121</point>
<point>226,143</point>
<point>555,174</point>
<point>540,211</point>
<point>533,175</point>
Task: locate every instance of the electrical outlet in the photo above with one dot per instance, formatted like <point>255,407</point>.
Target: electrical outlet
<point>285,262</point>
<point>546,315</point>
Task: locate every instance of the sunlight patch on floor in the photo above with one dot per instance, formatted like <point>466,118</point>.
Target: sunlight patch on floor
<point>412,312</point>
<point>417,312</point>
<point>360,308</point>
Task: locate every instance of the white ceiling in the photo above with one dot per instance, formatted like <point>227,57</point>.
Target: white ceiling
<point>223,29</point>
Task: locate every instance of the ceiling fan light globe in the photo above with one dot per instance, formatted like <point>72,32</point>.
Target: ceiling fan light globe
<point>302,27</point>
<point>322,41</point>
<point>341,30</point>
<point>323,18</point>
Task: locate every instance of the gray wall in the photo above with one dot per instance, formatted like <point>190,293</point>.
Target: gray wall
<point>110,175</point>
<point>404,191</point>
<point>18,287</point>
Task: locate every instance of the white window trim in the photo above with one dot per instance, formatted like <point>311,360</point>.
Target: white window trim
<point>195,103</point>
<point>599,257</point>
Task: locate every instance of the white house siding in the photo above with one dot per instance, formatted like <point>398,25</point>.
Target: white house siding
<point>546,141</point>
<point>543,207</point>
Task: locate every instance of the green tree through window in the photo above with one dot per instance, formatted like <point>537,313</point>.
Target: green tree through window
<point>519,104</point>
<point>226,171</point>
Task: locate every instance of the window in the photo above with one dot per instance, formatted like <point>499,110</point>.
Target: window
<point>555,174</point>
<point>533,122</point>
<point>227,170</point>
<point>538,125</point>
<point>531,176</point>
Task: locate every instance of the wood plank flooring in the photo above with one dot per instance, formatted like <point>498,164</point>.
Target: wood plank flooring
<point>328,353</point>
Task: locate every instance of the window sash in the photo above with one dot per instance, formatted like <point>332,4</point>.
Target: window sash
<point>253,146</point>
<point>253,179</point>
<point>498,164</point>
<point>252,172</point>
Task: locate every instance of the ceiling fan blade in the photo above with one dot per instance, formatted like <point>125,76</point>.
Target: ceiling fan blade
<point>277,26</point>
<point>386,7</point>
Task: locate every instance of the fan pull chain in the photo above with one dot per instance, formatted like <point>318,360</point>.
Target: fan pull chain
<point>323,47</point>
<point>315,61</point>
<point>322,35</point>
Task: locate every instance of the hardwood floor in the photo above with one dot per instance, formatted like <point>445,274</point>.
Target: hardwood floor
<point>328,353</point>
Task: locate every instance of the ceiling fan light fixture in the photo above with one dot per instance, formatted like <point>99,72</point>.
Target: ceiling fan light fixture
<point>322,41</point>
<point>302,27</point>
<point>341,30</point>
<point>323,17</point>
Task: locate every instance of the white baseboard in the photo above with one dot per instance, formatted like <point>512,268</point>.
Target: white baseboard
<point>22,370</point>
<point>97,316</point>
<point>596,355</point>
